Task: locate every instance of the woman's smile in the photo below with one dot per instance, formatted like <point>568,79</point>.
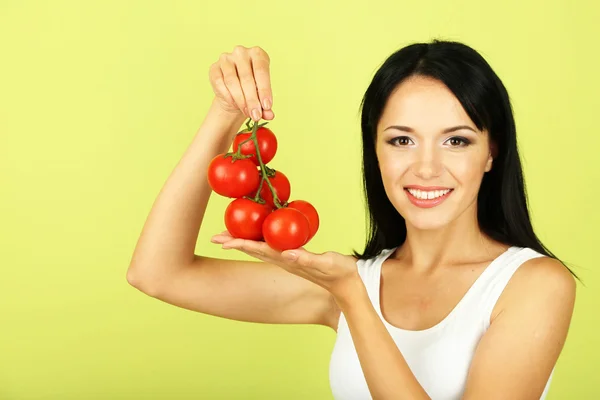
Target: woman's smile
<point>427,198</point>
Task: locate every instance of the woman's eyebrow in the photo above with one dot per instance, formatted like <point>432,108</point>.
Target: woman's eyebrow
<point>447,130</point>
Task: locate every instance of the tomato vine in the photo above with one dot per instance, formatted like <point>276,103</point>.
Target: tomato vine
<point>265,171</point>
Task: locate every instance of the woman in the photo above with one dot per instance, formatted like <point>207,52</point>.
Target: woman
<point>453,297</point>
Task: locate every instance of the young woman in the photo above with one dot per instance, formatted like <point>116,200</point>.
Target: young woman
<point>454,296</point>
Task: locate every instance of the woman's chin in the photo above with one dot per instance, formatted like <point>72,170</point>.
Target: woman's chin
<point>428,223</point>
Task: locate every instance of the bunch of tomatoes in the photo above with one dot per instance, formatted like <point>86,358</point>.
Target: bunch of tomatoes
<point>260,210</point>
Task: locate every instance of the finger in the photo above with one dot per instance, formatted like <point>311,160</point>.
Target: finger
<point>251,247</point>
<point>262,76</point>
<point>225,235</point>
<point>232,82</point>
<point>234,243</point>
<point>246,78</point>
<point>268,115</point>
<point>218,83</point>
<point>220,239</point>
<point>290,255</point>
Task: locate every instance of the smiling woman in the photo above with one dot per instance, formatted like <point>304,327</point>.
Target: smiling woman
<point>453,297</point>
<point>472,304</point>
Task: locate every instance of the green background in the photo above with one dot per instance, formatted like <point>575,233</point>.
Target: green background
<point>98,102</point>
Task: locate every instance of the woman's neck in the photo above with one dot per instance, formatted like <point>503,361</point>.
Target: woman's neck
<point>458,243</point>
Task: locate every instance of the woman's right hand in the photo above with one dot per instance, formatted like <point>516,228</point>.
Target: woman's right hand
<point>242,83</point>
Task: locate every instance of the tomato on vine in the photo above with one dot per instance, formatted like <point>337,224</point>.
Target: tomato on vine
<point>267,144</point>
<point>285,229</point>
<point>233,177</point>
<point>281,187</point>
<point>244,218</point>
<point>310,212</point>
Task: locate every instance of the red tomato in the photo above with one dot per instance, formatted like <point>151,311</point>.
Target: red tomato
<point>310,212</point>
<point>286,228</point>
<point>233,179</point>
<point>282,188</point>
<point>244,219</point>
<point>267,143</point>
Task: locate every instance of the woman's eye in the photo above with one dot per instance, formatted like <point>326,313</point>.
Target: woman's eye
<point>400,140</point>
<point>458,141</point>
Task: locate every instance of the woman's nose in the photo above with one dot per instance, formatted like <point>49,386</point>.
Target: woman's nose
<point>427,164</point>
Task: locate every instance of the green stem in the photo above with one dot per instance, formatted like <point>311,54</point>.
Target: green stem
<point>263,168</point>
<point>241,143</point>
<point>257,197</point>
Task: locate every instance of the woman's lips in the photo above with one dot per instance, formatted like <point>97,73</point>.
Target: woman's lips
<point>427,203</point>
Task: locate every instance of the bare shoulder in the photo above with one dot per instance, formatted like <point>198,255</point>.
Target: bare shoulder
<point>540,278</point>
<point>546,275</point>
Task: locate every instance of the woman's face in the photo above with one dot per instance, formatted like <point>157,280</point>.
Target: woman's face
<point>414,152</point>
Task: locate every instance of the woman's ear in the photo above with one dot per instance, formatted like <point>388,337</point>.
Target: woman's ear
<point>488,164</point>
<point>492,154</point>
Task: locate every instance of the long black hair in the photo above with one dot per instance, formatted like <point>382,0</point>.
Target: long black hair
<point>502,209</point>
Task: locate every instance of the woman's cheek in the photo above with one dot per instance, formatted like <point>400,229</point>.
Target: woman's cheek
<point>468,174</point>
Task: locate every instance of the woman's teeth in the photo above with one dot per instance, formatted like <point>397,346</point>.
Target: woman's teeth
<point>420,194</point>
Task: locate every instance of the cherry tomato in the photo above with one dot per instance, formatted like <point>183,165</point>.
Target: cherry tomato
<point>267,143</point>
<point>310,212</point>
<point>286,228</point>
<point>233,179</point>
<point>282,188</point>
<point>244,219</point>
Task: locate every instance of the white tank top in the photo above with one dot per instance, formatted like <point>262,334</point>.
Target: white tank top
<point>440,356</point>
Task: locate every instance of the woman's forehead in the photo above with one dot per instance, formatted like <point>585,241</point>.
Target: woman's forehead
<point>423,106</point>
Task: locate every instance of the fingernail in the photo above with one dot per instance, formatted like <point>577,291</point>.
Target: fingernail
<point>255,114</point>
<point>266,104</point>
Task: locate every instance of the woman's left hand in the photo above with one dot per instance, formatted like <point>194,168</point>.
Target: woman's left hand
<point>330,270</point>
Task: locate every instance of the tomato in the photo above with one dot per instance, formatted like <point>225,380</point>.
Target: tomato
<point>267,143</point>
<point>310,212</point>
<point>282,188</point>
<point>286,228</point>
<point>244,218</point>
<point>231,178</point>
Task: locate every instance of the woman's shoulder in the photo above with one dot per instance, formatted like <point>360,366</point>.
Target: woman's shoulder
<point>537,265</point>
<point>539,276</point>
<point>541,269</point>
